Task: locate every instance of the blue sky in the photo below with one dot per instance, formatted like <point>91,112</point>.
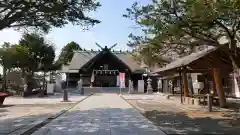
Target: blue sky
<point>113,29</point>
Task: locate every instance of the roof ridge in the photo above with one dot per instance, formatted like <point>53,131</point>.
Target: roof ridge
<point>82,51</point>
<point>112,51</point>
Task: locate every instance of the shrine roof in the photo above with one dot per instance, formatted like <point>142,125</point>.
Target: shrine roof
<point>80,58</point>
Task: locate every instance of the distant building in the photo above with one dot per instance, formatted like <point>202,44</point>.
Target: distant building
<point>102,68</point>
<point>14,78</point>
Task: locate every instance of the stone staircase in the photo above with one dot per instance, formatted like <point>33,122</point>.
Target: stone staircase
<point>105,89</point>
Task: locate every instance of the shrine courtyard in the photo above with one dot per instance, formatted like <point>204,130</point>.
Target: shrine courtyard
<point>110,114</point>
<point>95,114</point>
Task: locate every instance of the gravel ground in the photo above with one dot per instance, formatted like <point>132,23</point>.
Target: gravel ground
<point>17,113</point>
<point>177,119</point>
<point>14,118</point>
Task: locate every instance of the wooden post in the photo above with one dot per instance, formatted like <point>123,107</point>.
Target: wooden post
<point>162,86</point>
<point>180,74</point>
<point>219,87</point>
<point>185,83</point>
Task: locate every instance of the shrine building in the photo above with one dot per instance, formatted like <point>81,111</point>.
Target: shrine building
<point>102,68</point>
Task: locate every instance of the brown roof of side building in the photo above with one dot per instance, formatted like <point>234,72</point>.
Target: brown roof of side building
<point>183,61</point>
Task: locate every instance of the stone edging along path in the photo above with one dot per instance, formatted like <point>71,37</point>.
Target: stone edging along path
<point>32,127</point>
<point>142,111</point>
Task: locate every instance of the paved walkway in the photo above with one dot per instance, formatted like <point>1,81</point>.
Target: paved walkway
<point>101,114</point>
<point>18,114</point>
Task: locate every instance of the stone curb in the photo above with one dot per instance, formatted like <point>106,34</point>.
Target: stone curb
<point>141,111</point>
<point>32,127</point>
<point>25,128</point>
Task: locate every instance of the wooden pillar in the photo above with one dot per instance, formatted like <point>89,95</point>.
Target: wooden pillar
<point>185,83</point>
<point>162,86</point>
<point>180,74</point>
<point>219,87</point>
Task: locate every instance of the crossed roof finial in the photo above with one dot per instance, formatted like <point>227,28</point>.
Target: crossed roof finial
<point>106,46</point>
<point>99,46</point>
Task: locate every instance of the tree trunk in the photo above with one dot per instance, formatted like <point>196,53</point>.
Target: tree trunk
<point>26,92</point>
<point>44,81</point>
<point>27,77</point>
<point>4,88</point>
<point>231,51</point>
<point>30,81</point>
<point>233,46</point>
<point>219,87</point>
<point>234,63</point>
<point>185,83</point>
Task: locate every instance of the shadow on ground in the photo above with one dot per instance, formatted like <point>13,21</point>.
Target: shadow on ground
<point>180,123</point>
<point>4,106</point>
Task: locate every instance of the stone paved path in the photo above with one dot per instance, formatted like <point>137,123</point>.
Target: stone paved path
<point>101,114</point>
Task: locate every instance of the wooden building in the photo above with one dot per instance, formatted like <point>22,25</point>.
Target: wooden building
<point>102,68</point>
<point>211,66</point>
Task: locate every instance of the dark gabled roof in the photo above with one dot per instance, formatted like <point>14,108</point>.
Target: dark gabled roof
<point>81,58</point>
<point>184,61</point>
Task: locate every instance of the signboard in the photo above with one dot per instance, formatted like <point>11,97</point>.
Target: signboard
<point>122,80</point>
